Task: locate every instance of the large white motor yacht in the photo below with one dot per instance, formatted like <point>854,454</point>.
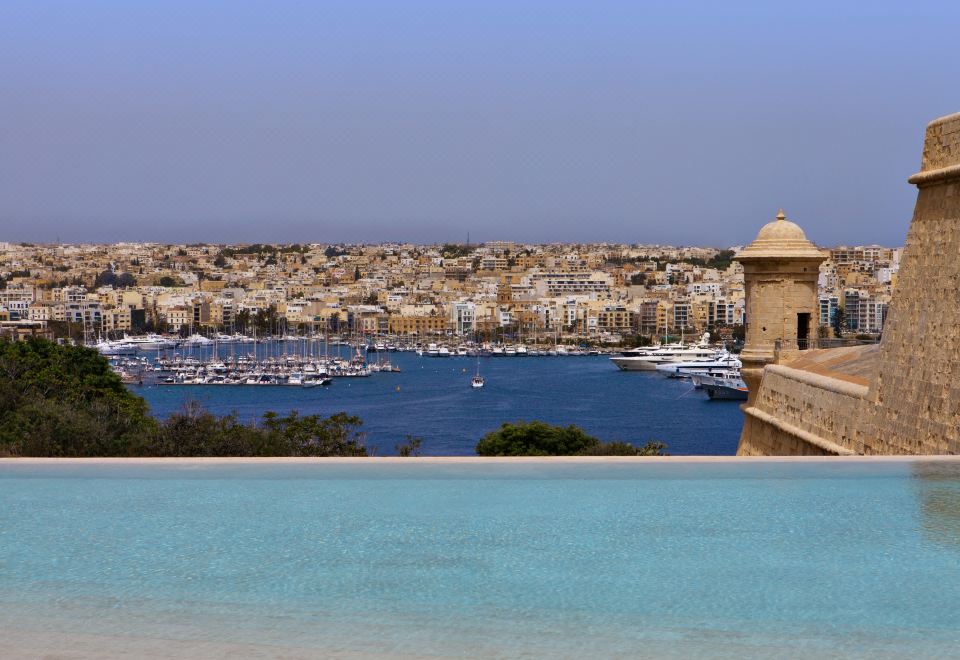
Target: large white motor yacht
<point>722,362</point>
<point>649,360</point>
<point>151,342</point>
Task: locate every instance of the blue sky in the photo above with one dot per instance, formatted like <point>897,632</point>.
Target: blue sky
<point>674,122</point>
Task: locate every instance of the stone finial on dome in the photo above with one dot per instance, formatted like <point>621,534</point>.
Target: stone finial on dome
<point>780,238</point>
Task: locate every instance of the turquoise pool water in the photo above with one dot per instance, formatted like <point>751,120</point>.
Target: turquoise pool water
<point>723,559</point>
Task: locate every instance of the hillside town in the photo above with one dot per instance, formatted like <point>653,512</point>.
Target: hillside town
<point>600,293</point>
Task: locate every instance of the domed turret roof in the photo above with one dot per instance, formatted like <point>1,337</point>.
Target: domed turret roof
<point>781,238</point>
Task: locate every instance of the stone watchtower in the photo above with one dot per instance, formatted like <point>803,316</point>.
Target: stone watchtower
<point>780,269</point>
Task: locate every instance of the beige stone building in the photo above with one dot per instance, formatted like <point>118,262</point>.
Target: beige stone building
<point>901,396</point>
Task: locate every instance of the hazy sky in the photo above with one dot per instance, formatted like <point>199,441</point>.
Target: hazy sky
<point>675,122</point>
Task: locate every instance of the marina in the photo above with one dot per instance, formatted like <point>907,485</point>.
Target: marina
<point>434,399</point>
<point>304,361</point>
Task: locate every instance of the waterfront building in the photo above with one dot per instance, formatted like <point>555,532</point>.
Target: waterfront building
<point>829,308</point>
<point>578,291</point>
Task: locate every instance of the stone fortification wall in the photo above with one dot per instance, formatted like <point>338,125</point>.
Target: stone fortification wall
<point>797,413</point>
<point>916,389</point>
<point>912,405</point>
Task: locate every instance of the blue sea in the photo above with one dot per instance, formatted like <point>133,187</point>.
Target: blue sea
<point>431,398</point>
<point>411,558</point>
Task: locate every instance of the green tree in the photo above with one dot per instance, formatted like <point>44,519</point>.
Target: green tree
<point>312,435</point>
<point>455,250</point>
<point>169,281</point>
<point>838,322</point>
<point>66,401</point>
<point>409,447</point>
<point>541,439</point>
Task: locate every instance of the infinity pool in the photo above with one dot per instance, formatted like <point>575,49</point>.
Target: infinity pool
<point>413,557</point>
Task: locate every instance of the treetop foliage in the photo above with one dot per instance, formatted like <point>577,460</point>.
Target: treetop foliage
<point>66,401</point>
<point>117,281</point>
<point>541,439</point>
<point>455,250</point>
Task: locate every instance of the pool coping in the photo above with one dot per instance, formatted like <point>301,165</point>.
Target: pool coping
<point>380,460</point>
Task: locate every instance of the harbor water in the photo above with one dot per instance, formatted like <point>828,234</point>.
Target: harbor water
<point>421,558</point>
<point>431,398</point>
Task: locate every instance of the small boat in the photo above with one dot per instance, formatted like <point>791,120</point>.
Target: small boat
<point>729,386</point>
<point>477,381</point>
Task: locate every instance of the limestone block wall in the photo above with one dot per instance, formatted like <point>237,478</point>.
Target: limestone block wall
<point>800,413</point>
<point>912,405</point>
<point>916,389</point>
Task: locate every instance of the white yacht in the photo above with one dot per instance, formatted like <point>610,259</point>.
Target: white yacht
<point>108,347</point>
<point>151,342</point>
<point>726,386</point>
<point>666,354</point>
<point>197,340</point>
<point>722,362</point>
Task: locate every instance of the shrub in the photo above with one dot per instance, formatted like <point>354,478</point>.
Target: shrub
<point>541,439</point>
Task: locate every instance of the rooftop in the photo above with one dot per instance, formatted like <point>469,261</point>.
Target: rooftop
<point>853,364</point>
<point>781,238</point>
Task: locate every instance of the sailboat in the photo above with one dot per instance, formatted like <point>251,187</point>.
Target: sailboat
<point>477,381</point>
